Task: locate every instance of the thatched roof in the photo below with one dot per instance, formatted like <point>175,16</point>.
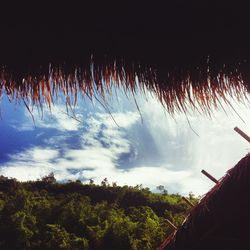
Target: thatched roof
<point>201,89</point>
<point>221,220</point>
<point>187,52</point>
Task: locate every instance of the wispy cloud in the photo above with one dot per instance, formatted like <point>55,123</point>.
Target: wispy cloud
<point>119,147</point>
<point>102,143</point>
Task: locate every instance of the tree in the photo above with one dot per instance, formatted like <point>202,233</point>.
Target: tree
<point>58,238</point>
<point>48,215</point>
<point>50,178</point>
<point>104,182</point>
<point>162,189</point>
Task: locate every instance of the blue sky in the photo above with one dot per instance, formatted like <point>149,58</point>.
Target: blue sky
<point>130,147</point>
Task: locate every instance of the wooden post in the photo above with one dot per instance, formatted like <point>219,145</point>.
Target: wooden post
<point>244,135</point>
<point>188,201</point>
<point>171,224</point>
<point>209,176</point>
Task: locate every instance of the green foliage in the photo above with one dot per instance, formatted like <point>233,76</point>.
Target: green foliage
<point>56,237</point>
<point>48,215</point>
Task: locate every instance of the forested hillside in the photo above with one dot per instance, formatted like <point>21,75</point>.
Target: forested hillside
<point>45,214</point>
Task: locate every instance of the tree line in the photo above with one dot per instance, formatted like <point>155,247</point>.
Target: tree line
<point>46,214</point>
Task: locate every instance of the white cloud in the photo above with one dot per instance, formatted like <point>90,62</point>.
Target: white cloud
<point>30,164</point>
<point>93,154</point>
<point>145,175</point>
<point>87,158</point>
<point>36,154</point>
<point>123,120</point>
<point>26,171</point>
<point>55,118</point>
<point>216,149</point>
<point>28,126</point>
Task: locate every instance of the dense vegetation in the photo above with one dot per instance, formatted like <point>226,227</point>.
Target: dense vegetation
<point>45,214</point>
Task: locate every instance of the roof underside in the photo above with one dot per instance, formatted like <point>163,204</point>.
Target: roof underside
<point>177,33</point>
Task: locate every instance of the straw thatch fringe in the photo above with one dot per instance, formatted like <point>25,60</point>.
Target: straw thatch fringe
<point>221,220</point>
<point>201,88</point>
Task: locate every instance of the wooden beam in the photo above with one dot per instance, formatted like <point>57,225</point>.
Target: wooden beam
<point>244,135</point>
<point>209,176</point>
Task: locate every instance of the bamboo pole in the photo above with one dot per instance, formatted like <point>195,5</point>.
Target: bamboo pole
<point>171,224</point>
<point>165,242</point>
<point>209,176</point>
<point>244,135</point>
<point>188,201</point>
